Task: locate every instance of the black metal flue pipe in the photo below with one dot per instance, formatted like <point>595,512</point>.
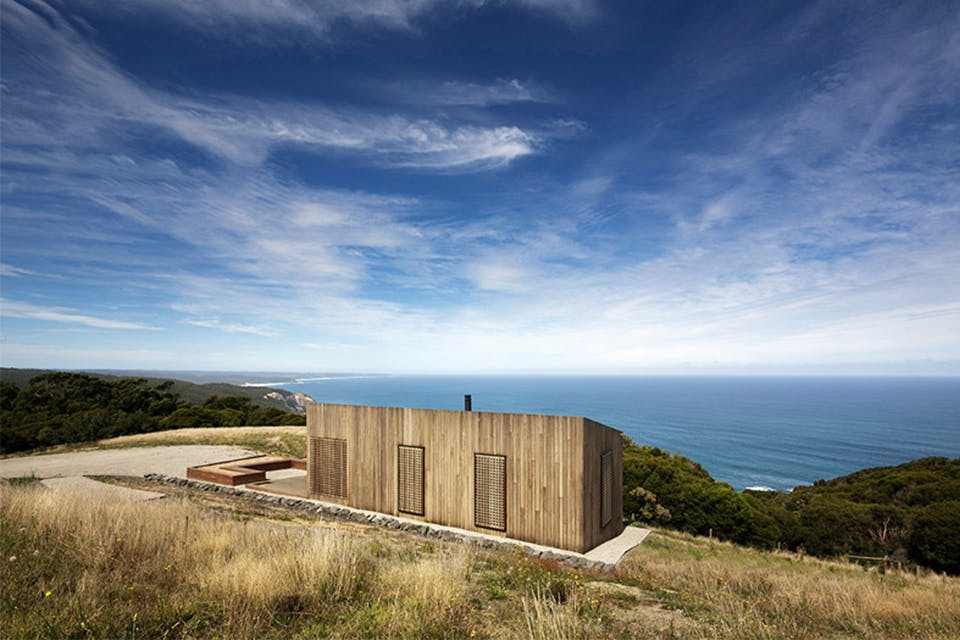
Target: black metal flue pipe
<point>467,402</point>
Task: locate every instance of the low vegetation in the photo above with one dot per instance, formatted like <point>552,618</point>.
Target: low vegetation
<point>179,568</point>
<point>905,514</point>
<point>743,593</point>
<point>56,408</point>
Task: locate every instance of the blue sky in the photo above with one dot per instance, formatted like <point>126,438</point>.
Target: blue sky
<point>539,185</point>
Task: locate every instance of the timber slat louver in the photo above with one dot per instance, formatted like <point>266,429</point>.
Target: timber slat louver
<point>606,487</point>
<point>490,491</point>
<point>410,479</point>
<point>328,466</point>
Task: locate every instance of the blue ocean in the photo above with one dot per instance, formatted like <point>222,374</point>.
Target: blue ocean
<point>774,432</point>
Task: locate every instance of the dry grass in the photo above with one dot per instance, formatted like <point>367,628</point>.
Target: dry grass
<point>176,569</point>
<point>281,441</point>
<point>547,619</point>
<point>288,441</point>
<point>79,568</point>
<point>741,593</point>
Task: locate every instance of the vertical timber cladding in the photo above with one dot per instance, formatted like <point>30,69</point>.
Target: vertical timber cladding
<point>603,484</point>
<point>551,475</point>
<point>328,466</point>
<point>606,487</point>
<point>490,491</point>
<point>410,479</point>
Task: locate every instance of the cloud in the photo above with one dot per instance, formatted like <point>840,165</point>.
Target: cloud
<point>498,274</point>
<point>320,20</point>
<point>465,148</point>
<point>572,11</point>
<point>820,231</point>
<point>96,101</point>
<point>257,22</point>
<point>466,94</point>
<point>245,132</point>
<point>10,271</point>
<point>229,327</point>
<point>14,309</point>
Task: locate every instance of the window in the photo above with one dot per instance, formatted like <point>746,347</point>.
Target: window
<point>328,467</point>
<point>606,487</point>
<point>490,491</point>
<point>410,479</point>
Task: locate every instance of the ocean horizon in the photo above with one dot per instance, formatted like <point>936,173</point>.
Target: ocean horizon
<point>774,432</point>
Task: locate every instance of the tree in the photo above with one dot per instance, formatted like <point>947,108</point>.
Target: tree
<point>645,508</point>
<point>935,541</point>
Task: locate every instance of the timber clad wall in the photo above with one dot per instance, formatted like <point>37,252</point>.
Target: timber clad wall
<point>599,439</point>
<point>530,477</point>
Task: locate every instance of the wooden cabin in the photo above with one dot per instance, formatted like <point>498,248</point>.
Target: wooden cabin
<point>550,480</point>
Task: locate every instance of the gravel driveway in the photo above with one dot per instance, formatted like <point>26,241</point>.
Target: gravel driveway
<point>136,461</point>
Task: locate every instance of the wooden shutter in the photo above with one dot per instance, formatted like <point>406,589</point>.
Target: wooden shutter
<point>606,487</point>
<point>328,467</point>
<point>410,479</point>
<point>490,491</point>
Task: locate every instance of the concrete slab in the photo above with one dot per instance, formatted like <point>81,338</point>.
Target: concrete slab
<point>612,550</point>
<point>293,486</point>
<point>170,461</point>
<point>283,474</point>
<point>81,485</point>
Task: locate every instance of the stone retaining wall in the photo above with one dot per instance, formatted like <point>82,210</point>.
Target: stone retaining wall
<point>575,560</point>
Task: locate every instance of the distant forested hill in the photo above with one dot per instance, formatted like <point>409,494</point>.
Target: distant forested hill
<point>44,408</point>
<point>190,392</point>
<point>907,513</point>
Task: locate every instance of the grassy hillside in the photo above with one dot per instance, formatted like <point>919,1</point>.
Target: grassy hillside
<point>199,565</point>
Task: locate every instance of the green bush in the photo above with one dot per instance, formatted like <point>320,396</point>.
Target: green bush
<point>935,540</point>
<point>911,511</point>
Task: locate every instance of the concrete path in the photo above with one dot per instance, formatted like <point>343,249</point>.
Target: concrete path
<point>170,461</point>
<point>84,486</point>
<point>612,550</point>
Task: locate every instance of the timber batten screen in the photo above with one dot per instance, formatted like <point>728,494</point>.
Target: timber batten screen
<point>606,487</point>
<point>490,491</point>
<point>328,466</point>
<point>410,479</point>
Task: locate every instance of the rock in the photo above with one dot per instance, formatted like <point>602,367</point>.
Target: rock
<point>295,402</point>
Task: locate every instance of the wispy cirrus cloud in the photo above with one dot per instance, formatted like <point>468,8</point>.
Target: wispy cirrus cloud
<point>16,309</point>
<point>261,23</point>
<point>466,94</point>
<point>821,229</point>
<point>11,271</point>
<point>323,20</point>
<point>231,327</point>
<point>96,100</point>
